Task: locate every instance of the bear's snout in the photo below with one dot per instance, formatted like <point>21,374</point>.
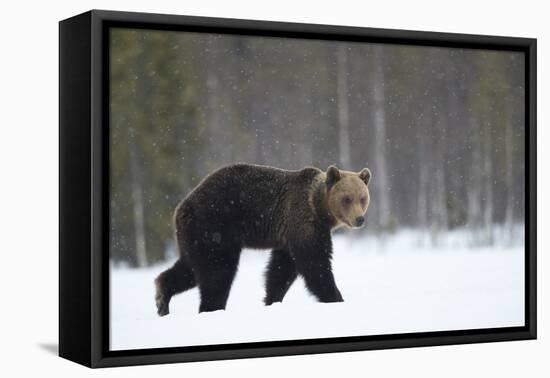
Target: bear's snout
<point>359,221</point>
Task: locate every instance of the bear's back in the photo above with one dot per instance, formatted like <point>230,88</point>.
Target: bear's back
<point>251,201</point>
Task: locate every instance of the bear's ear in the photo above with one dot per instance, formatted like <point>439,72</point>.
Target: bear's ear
<point>333,176</point>
<point>365,175</point>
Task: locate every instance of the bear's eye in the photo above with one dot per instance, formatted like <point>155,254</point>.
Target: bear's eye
<point>363,201</point>
<point>347,200</point>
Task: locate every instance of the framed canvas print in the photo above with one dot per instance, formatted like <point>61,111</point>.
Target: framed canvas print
<point>233,188</point>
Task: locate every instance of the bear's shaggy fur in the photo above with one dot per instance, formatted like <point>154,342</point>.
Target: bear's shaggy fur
<point>242,205</point>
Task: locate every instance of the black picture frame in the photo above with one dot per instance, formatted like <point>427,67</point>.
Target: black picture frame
<point>84,189</point>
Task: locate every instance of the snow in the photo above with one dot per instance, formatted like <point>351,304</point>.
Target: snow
<point>392,285</point>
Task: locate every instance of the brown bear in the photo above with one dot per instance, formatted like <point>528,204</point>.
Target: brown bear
<point>243,205</point>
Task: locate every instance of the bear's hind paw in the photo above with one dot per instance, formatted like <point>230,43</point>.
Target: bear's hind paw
<point>162,307</point>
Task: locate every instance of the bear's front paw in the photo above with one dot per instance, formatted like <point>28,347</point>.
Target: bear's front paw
<point>268,301</point>
<point>339,296</point>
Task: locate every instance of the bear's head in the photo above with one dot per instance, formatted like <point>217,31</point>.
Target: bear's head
<point>348,195</point>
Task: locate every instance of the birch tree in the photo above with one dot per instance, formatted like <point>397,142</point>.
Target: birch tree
<point>137,200</point>
<point>380,163</point>
<point>343,105</point>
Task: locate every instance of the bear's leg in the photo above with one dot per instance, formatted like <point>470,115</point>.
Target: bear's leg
<point>313,264</point>
<point>217,269</point>
<point>172,281</point>
<point>320,281</point>
<point>280,274</point>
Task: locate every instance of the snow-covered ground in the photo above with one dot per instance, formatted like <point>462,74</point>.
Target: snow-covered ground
<point>391,286</point>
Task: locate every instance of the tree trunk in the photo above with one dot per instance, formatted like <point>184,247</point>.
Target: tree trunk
<point>488,186</point>
<point>137,200</point>
<point>213,101</point>
<point>343,106</point>
<point>509,213</point>
<point>443,121</point>
<point>380,174</point>
<point>475,183</point>
<point>423,177</point>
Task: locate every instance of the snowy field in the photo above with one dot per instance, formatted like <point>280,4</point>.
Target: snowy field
<point>391,286</point>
